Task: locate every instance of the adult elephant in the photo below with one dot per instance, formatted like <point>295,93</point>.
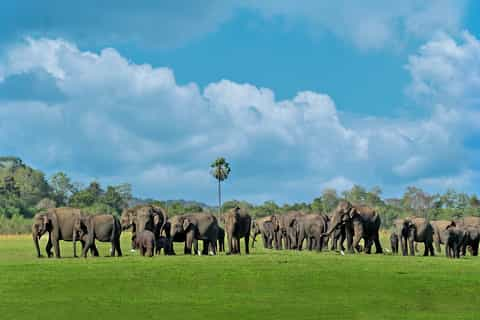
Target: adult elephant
<point>190,228</point>
<point>264,228</point>
<point>311,227</point>
<point>439,226</point>
<point>284,227</point>
<point>104,228</point>
<point>237,226</point>
<point>59,223</point>
<point>360,222</point>
<point>414,229</point>
<point>144,217</point>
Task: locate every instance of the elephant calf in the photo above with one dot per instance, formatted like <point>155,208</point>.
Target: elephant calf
<point>162,243</point>
<point>145,242</point>
<point>394,242</point>
<point>455,238</point>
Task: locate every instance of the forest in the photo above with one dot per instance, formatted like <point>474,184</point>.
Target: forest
<point>25,191</point>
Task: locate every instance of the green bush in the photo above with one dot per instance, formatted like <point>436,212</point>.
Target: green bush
<point>17,224</point>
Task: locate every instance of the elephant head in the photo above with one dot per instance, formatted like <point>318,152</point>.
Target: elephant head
<point>41,224</point>
<point>127,218</point>
<point>179,225</point>
<point>344,213</point>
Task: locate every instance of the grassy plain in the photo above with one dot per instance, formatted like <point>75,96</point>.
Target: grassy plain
<point>263,285</point>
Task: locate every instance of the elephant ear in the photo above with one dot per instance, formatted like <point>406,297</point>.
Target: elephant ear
<point>186,223</point>
<point>46,220</point>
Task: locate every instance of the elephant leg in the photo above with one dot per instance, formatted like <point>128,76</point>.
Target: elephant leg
<point>403,243</point>
<point>247,249</point>
<point>355,242</point>
<point>117,247</point>
<point>378,245</point>
<point>426,248</point>
<point>411,244</point>
<point>56,248</point>
<point>437,244</point>
<point>142,251</point>
<point>48,247</point>
<point>230,244</point>
<point>432,251</point>
<point>75,245</point>
<point>350,246</point>
<point>475,248</point>
<point>237,245</point>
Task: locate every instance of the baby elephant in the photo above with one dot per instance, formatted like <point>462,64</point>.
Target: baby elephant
<point>455,239</point>
<point>394,242</point>
<point>145,242</point>
<point>162,243</point>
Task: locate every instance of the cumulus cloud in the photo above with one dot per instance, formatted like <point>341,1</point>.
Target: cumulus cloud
<point>120,121</point>
<point>447,71</point>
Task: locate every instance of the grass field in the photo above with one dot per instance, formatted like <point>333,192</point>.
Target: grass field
<point>263,285</point>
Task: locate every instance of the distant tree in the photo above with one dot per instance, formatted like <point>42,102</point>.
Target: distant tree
<point>62,188</point>
<point>45,203</point>
<point>220,169</point>
<point>113,199</point>
<point>329,200</point>
<point>87,197</point>
<point>317,204</point>
<point>125,191</point>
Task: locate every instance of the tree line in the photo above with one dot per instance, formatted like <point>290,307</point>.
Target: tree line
<point>25,191</point>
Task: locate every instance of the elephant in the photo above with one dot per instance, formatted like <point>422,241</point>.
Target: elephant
<point>103,227</point>
<point>145,242</point>
<point>263,227</point>
<point>455,238</point>
<point>472,240</point>
<point>283,225</point>
<point>438,235</point>
<point>414,229</point>
<point>59,223</point>
<point>394,242</point>
<point>360,222</point>
<point>311,227</point>
<point>190,228</point>
<point>162,243</point>
<point>144,217</point>
<point>237,226</point>
<point>338,238</point>
<point>468,221</point>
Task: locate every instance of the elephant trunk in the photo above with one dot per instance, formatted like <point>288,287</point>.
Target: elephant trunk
<point>332,228</point>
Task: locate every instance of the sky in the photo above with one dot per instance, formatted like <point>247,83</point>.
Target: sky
<point>298,96</point>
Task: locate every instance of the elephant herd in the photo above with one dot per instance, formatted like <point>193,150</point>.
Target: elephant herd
<point>153,231</point>
<point>347,222</point>
<point>457,236</point>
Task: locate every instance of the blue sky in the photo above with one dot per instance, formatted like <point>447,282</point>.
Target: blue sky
<point>298,96</point>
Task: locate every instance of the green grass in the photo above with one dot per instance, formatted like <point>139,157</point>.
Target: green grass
<point>264,285</point>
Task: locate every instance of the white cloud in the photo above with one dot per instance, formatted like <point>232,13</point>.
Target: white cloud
<point>371,24</point>
<point>447,71</point>
<point>119,121</point>
<point>164,24</point>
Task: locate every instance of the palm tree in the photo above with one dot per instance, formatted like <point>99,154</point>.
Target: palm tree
<point>220,171</point>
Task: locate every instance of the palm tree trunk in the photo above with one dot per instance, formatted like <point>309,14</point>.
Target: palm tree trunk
<point>219,199</point>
